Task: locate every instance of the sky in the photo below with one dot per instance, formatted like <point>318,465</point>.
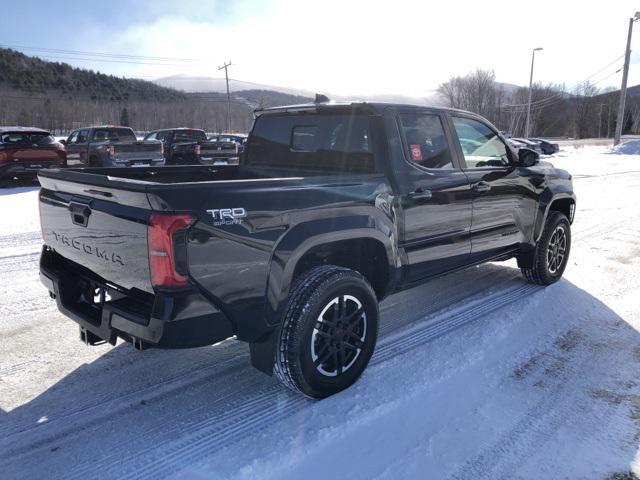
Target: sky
<point>334,46</point>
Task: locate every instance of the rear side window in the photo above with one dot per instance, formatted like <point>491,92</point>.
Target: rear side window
<point>426,142</point>
<point>315,143</point>
<point>30,138</point>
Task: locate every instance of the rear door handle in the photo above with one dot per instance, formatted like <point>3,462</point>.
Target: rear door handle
<point>482,187</point>
<point>421,194</point>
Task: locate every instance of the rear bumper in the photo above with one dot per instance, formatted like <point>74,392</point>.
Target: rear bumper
<point>165,320</point>
<point>24,169</point>
<point>214,159</point>
<point>135,162</point>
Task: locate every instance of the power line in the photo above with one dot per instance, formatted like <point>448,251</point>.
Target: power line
<point>561,94</point>
<point>103,54</point>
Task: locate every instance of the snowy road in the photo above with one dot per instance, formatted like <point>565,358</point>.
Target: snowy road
<point>476,375</point>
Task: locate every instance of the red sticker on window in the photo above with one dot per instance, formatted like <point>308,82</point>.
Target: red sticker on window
<point>416,152</point>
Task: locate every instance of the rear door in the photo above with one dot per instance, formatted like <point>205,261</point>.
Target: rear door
<point>503,200</point>
<point>435,198</point>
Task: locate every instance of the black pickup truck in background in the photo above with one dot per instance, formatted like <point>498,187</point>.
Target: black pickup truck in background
<point>189,146</point>
<point>332,208</point>
<point>111,146</point>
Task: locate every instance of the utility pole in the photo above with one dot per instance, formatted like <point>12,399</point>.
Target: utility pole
<point>600,119</point>
<point>226,76</point>
<point>528,121</point>
<point>623,88</point>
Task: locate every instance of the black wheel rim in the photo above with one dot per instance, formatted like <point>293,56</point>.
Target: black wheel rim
<point>556,251</point>
<point>338,336</point>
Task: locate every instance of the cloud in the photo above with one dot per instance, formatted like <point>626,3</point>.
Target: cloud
<point>355,47</point>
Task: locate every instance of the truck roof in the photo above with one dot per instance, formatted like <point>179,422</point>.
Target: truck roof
<point>364,106</point>
<point>22,129</point>
<point>102,126</point>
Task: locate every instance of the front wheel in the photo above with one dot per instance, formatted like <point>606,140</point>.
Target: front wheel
<point>328,333</point>
<point>546,263</point>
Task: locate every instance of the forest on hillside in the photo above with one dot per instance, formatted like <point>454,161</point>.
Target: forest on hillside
<point>59,97</point>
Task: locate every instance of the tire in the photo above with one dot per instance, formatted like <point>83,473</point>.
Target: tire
<point>546,263</point>
<point>319,354</point>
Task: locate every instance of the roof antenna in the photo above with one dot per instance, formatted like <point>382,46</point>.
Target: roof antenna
<point>320,98</point>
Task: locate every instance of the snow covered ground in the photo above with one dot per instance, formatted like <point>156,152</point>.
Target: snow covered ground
<point>477,375</point>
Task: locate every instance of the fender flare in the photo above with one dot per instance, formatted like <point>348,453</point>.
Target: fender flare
<point>293,246</point>
<point>303,237</point>
<point>547,198</point>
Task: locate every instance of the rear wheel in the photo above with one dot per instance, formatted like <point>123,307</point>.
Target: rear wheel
<point>546,263</point>
<point>328,333</point>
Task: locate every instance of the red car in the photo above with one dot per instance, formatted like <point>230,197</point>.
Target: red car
<point>24,151</point>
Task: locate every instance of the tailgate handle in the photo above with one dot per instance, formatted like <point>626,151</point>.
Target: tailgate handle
<point>79,214</point>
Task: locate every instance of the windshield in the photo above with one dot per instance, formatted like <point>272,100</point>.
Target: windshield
<point>189,136</point>
<point>114,135</point>
<point>32,138</point>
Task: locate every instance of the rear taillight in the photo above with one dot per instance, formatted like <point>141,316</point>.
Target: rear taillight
<point>162,256</point>
<point>196,149</point>
<point>162,148</point>
<point>112,151</point>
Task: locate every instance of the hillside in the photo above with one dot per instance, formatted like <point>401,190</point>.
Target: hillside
<point>60,97</point>
<point>31,74</point>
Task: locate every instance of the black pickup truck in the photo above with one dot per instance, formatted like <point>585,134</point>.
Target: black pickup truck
<point>189,146</point>
<point>111,146</point>
<point>333,207</point>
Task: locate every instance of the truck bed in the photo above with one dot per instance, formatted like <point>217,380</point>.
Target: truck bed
<point>147,176</point>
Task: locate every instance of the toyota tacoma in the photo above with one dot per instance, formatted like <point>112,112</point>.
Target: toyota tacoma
<point>333,207</point>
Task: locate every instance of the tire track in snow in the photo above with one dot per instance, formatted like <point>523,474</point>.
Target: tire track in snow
<point>223,427</point>
<point>537,424</point>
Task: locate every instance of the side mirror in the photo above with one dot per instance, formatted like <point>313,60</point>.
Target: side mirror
<point>63,142</point>
<point>527,157</point>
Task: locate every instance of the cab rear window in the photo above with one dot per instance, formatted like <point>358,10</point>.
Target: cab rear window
<point>113,135</point>
<point>189,136</point>
<point>31,138</point>
<point>313,143</point>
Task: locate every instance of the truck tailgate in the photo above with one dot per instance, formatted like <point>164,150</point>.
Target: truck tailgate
<point>103,229</point>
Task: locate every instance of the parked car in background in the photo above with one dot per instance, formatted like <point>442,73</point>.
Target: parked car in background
<point>24,151</point>
<point>190,146</point>
<point>111,146</point>
<point>547,147</point>
<point>529,144</point>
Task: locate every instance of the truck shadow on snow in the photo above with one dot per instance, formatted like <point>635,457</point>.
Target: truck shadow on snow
<point>168,410</point>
